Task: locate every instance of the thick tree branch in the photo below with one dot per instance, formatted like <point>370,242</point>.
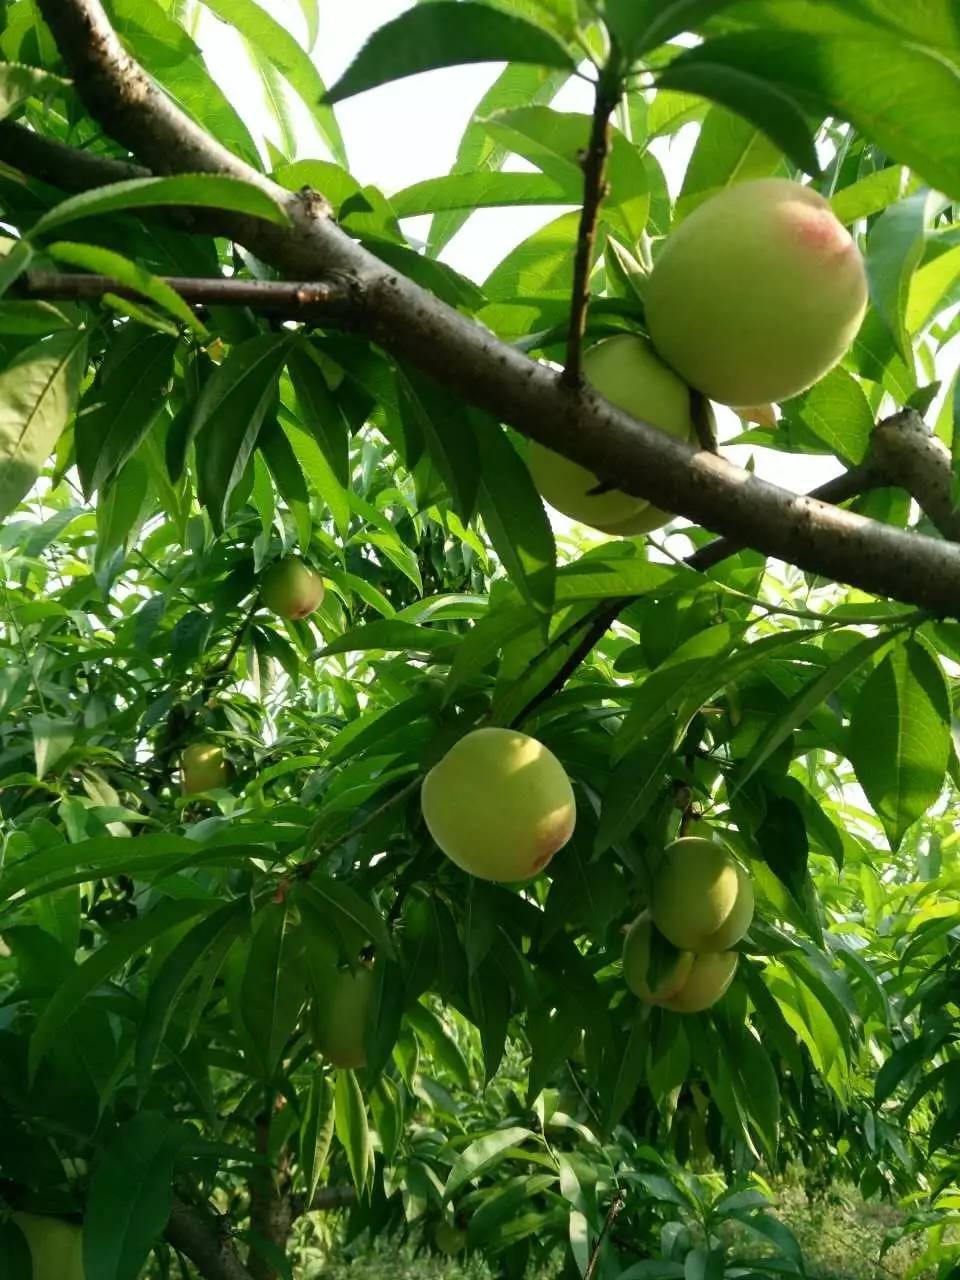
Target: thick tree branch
<point>847,485</point>
<point>270,1208</point>
<point>594,191</point>
<point>206,1242</point>
<point>911,457</point>
<point>412,325</point>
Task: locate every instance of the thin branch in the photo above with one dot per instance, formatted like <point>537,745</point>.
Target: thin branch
<point>324,1199</point>
<point>616,1208</point>
<point>853,482</point>
<point>213,675</point>
<point>412,325</point>
<point>594,190</point>
<point>918,461</point>
<point>294,300</point>
<point>205,1240</point>
<point>305,869</point>
<point>606,616</point>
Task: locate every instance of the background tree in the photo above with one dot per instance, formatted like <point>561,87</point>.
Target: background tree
<point>241,983</point>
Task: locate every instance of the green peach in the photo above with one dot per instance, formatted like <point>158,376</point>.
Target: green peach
<point>636,962</point>
<point>702,898</point>
<point>55,1246</point>
<point>757,294</point>
<point>291,589</point>
<point>708,979</point>
<point>499,804</point>
<point>625,371</point>
<point>203,767</point>
<point>342,1019</point>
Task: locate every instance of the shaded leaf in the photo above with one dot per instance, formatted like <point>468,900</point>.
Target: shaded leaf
<point>316,1133</point>
<point>894,249</point>
<point>482,1155</point>
<point>273,990</point>
<point>104,963</point>
<point>126,402</point>
<point>229,413</point>
<point>351,1125</point>
<point>38,391</point>
<point>130,1198</point>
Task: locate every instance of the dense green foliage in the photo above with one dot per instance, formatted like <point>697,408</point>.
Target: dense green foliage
<point>167,960</point>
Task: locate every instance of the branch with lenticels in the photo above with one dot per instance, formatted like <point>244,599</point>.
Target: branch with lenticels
<point>412,325</point>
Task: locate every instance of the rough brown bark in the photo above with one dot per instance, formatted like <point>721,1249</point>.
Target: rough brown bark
<point>206,1241</point>
<point>911,457</point>
<point>271,1212</point>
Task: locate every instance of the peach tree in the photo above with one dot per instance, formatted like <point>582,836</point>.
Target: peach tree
<point>274,546</point>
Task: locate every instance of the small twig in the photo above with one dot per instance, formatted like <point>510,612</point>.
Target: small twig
<point>289,298</point>
<point>616,1208</point>
<point>606,615</point>
<point>306,869</point>
<point>853,482</point>
<point>594,190</point>
<point>214,674</point>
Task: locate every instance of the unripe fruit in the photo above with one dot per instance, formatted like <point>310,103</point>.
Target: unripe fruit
<point>707,981</point>
<point>499,804</point>
<point>448,1239</point>
<point>674,966</point>
<point>702,898</point>
<point>55,1246</point>
<point>757,294</point>
<point>646,520</point>
<point>341,1021</point>
<point>626,372</point>
<point>290,589</point>
<point>203,768</point>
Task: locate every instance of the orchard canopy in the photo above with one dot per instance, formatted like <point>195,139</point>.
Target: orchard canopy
<point>296,514</point>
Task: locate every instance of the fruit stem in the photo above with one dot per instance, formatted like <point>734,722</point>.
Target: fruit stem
<point>703,421</point>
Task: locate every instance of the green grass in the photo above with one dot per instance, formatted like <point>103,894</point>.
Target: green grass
<point>842,1234</point>
<point>391,1259</point>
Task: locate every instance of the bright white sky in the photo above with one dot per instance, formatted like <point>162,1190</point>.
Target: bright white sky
<point>409,130</point>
